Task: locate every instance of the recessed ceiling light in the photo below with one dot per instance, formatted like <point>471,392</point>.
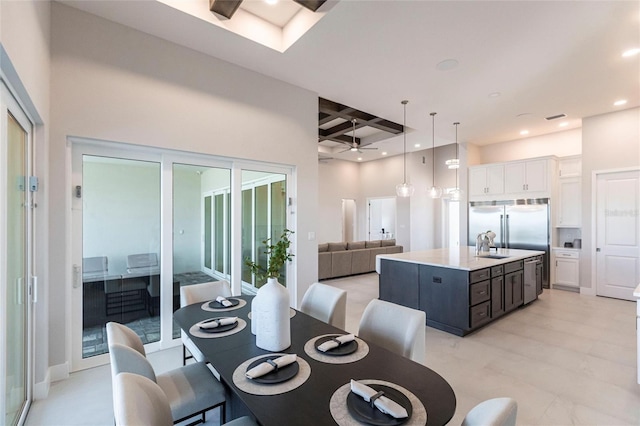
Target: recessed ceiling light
<point>524,132</point>
<point>384,152</point>
<point>563,124</point>
<point>620,102</point>
<point>447,64</point>
<point>631,52</point>
<point>359,158</point>
<point>271,1</point>
<point>417,145</point>
<point>495,95</point>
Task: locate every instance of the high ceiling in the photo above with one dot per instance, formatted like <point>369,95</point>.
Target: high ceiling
<point>496,67</point>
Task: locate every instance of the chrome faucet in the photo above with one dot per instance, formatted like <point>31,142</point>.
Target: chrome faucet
<point>484,241</point>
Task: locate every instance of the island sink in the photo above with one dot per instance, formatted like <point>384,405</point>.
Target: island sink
<point>493,256</point>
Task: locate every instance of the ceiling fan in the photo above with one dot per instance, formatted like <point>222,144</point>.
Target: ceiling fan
<point>354,146</point>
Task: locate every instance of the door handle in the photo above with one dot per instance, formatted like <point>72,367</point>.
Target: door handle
<point>76,276</point>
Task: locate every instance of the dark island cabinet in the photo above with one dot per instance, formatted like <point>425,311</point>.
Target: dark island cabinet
<point>455,300</point>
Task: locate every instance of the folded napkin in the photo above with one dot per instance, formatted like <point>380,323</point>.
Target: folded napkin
<point>217,322</point>
<point>264,368</point>
<point>383,403</point>
<point>334,343</point>
<point>223,301</point>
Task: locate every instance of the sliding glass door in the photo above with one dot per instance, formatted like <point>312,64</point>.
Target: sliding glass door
<point>15,261</point>
<point>120,203</point>
<point>147,222</point>
<point>201,227</point>
<point>264,219</point>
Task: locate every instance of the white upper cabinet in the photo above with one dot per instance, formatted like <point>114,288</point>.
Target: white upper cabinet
<point>486,180</point>
<point>512,180</point>
<point>570,209</point>
<point>570,167</point>
<point>526,176</point>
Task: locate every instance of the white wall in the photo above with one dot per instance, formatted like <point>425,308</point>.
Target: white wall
<point>336,180</point>
<point>418,220</point>
<point>25,61</point>
<point>560,144</point>
<point>113,83</point>
<point>609,141</point>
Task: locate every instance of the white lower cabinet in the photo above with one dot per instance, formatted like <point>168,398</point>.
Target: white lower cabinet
<point>567,268</point>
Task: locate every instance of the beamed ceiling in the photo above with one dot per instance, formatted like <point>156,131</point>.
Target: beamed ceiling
<point>335,124</point>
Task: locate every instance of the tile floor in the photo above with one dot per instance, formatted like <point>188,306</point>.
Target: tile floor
<point>567,359</point>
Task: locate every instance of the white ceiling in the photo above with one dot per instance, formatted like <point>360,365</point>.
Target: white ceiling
<point>543,57</point>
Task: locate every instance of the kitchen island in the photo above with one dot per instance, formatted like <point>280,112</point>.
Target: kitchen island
<point>459,291</point>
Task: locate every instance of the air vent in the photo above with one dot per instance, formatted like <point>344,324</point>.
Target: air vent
<point>555,117</point>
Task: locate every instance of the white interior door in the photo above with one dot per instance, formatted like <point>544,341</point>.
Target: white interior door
<point>618,234</point>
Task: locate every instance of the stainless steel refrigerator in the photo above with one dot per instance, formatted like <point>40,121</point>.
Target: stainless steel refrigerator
<point>518,224</point>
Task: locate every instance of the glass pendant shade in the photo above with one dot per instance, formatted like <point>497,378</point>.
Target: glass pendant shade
<point>455,194</point>
<point>404,190</point>
<point>435,192</point>
<point>454,163</point>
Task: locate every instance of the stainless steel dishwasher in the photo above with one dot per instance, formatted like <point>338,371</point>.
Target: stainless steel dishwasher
<point>530,281</point>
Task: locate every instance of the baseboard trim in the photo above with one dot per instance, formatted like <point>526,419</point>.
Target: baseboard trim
<point>588,291</point>
<point>41,389</point>
<point>59,372</point>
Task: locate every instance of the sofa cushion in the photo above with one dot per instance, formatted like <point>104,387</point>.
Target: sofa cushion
<point>324,265</point>
<point>355,245</point>
<point>341,263</point>
<point>372,244</point>
<point>388,243</point>
<point>360,261</point>
<point>337,246</point>
<point>323,247</point>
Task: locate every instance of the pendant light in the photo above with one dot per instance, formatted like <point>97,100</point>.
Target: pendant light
<point>434,192</point>
<point>404,189</point>
<point>456,192</point>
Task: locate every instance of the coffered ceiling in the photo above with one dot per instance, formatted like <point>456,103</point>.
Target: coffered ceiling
<point>497,67</point>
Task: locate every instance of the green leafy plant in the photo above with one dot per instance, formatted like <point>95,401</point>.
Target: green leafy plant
<point>277,255</point>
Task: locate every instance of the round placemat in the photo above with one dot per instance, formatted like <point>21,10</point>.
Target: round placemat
<point>195,331</point>
<point>248,386</point>
<point>292,313</point>
<point>340,413</point>
<point>205,306</point>
<point>310,349</point>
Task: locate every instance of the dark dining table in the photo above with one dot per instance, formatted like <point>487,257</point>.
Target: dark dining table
<point>308,404</point>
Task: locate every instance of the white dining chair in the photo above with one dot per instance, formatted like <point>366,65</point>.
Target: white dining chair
<point>325,303</point>
<point>493,412</point>
<point>195,293</point>
<point>139,401</point>
<point>396,328</point>
<point>191,390</point>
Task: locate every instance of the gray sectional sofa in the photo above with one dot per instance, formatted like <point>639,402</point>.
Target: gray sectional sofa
<point>358,257</point>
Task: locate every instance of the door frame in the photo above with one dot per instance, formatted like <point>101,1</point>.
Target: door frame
<point>10,102</point>
<point>593,290</point>
<point>167,158</point>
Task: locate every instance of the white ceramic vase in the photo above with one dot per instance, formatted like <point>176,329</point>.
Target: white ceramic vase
<point>270,314</point>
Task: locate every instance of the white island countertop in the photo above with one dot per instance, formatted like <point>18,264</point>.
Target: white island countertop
<point>458,258</point>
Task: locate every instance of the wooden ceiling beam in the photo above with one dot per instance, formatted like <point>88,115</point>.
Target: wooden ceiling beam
<point>312,5</point>
<point>324,135</point>
<point>224,8</point>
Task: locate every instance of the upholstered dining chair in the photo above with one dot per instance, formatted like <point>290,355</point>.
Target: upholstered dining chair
<point>394,327</point>
<point>140,401</point>
<point>493,412</point>
<point>195,293</point>
<point>191,390</point>
<point>325,303</point>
